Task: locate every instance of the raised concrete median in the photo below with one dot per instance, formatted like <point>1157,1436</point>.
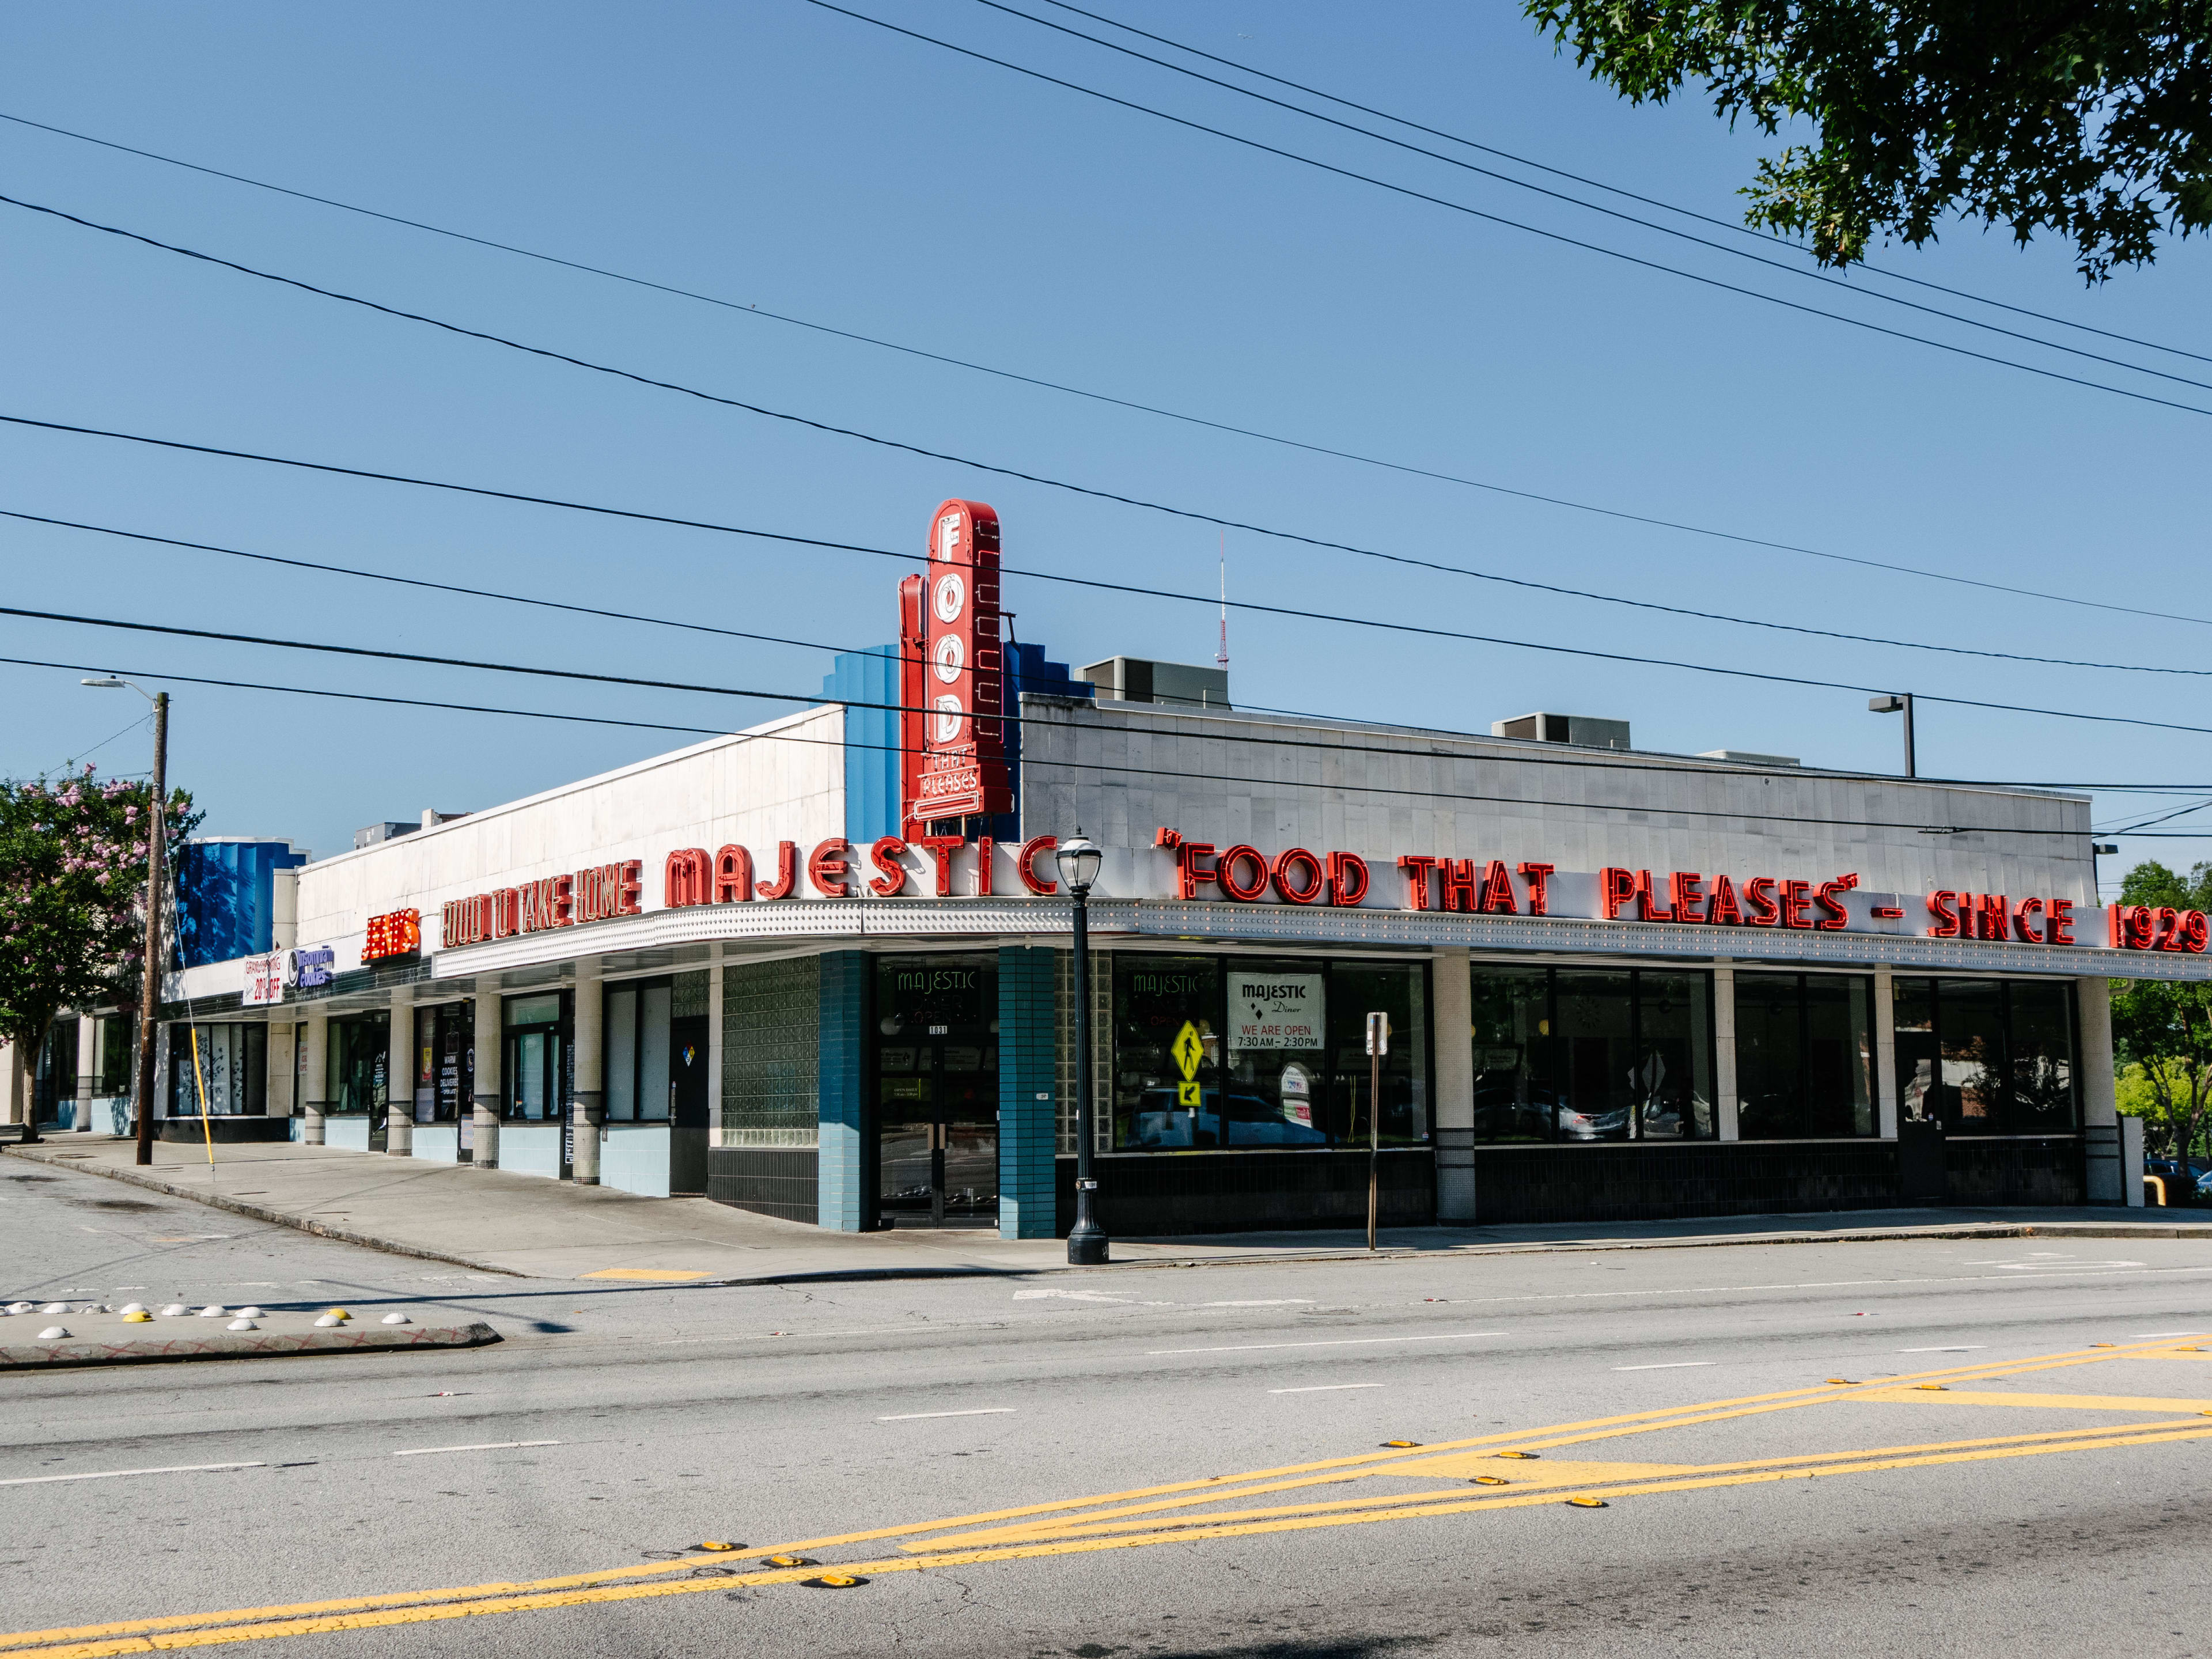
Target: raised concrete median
<point>75,1333</point>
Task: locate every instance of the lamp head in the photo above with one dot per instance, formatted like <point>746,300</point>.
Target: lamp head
<point>104,683</point>
<point>2106,847</point>
<point>1885,705</point>
<point>1079,860</point>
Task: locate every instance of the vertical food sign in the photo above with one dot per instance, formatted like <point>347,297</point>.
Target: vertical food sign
<point>954,722</point>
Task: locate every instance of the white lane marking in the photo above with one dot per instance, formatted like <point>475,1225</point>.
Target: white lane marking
<point>1670,1365</point>
<point>1336,1342</point>
<point>2147,1336</point>
<point>1970,1347</point>
<point>488,1445</point>
<point>1327,1388</point>
<point>1264,1302</point>
<point>981,1410</point>
<point>117,1474</point>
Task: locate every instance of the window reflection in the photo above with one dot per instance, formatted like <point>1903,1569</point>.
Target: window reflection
<point>1986,1056</point>
<point>1804,1056</point>
<point>1575,1055</point>
<point>1246,1053</point>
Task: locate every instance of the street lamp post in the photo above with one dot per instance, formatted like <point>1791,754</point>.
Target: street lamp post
<point>149,991</point>
<point>1899,703</point>
<point>1079,860</point>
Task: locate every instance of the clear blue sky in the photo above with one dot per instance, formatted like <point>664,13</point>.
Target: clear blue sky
<point>783,157</point>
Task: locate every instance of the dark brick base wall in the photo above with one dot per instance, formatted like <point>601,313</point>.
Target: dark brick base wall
<point>1252,1192</point>
<point>2015,1171</point>
<point>1657,1183</point>
<point>225,1129</point>
<point>777,1180</point>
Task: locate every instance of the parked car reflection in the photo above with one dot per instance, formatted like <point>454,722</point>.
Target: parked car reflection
<point>1220,1120</point>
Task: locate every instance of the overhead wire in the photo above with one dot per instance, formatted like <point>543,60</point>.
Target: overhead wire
<point>1734,226</point>
<point>1298,537</point>
<point>1029,760</point>
<point>1564,504</point>
<point>891,652</point>
<point>1561,237</point>
<point>1786,266</point>
<point>1096,583</point>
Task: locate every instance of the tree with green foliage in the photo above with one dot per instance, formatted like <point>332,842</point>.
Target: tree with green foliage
<point>2163,1029</point>
<point>72,895</point>
<point>2093,122</point>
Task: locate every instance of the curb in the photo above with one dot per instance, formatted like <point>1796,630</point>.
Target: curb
<point>132,1177</point>
<point>82,1351</point>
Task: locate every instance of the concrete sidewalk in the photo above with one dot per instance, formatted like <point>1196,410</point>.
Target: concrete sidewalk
<point>496,1221</point>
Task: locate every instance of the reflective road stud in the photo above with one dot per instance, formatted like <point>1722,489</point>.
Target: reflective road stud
<point>790,1560</point>
<point>1586,1503</point>
<point>1492,1480</point>
<point>834,1580</point>
<point>1527,1455</point>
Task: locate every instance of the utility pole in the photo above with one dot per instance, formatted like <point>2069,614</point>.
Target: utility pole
<point>149,995</point>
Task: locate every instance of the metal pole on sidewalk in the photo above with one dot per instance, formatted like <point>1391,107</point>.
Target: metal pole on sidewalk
<point>1378,1044</point>
<point>1079,862</point>
<point>150,993</point>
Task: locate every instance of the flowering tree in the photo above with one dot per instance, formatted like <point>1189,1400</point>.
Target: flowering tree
<point>72,893</point>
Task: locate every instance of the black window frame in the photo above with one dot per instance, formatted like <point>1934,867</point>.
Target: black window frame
<point>1214,1074</point>
<point>1547,1077</point>
<point>2007,1124</point>
<point>1804,982</point>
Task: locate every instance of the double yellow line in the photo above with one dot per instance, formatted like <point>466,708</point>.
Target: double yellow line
<point>1167,1513</point>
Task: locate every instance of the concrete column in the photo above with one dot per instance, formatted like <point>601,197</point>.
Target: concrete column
<point>1725,1092</point>
<point>15,1084</point>
<point>490,1040</point>
<point>315,1085</point>
<point>2110,1176</point>
<point>1452,999</point>
<point>88,1070</point>
<point>400,1075</point>
<point>841,1201</point>
<point>1884,1049</point>
<point>715,1099</point>
<point>284,910</point>
<point>588,1108</point>
<point>1029,1069</point>
<point>280,1090</point>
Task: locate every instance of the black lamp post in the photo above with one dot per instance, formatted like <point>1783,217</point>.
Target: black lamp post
<point>1079,862</point>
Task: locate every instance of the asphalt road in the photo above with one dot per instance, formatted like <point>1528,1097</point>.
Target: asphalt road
<point>1142,1462</point>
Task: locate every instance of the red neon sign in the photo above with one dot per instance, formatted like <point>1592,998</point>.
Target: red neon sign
<point>962,743</point>
<point>398,933</point>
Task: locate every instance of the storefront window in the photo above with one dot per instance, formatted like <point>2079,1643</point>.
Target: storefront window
<point>1581,1055</point>
<point>360,1053</point>
<point>539,1059</point>
<point>1986,1056</point>
<point>1236,1053</point>
<point>444,1062</point>
<point>936,1082</point>
<point>115,1049</point>
<point>233,1069</point>
<point>635,1051</point>
<point>1804,1056</point>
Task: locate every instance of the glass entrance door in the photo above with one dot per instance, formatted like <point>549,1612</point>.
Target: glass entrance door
<point>937,1091</point>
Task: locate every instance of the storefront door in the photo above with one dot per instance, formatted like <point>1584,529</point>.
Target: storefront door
<point>937,1091</point>
<point>687,1100</point>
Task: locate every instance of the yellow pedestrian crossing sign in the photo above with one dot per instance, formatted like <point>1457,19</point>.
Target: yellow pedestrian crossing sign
<point>1187,1050</point>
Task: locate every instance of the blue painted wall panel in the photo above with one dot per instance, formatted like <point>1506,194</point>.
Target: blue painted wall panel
<point>843,1201</point>
<point>1028,1073</point>
<point>224,897</point>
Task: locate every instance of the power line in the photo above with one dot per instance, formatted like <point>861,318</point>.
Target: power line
<point>893,654</point>
<point>818,645</point>
<point>1783,265</point>
<point>1406,560</point>
<point>1595,184</point>
<point>1030,760</point>
<point>1495,218</point>
<point>1541,499</point>
<point>1207,599</point>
